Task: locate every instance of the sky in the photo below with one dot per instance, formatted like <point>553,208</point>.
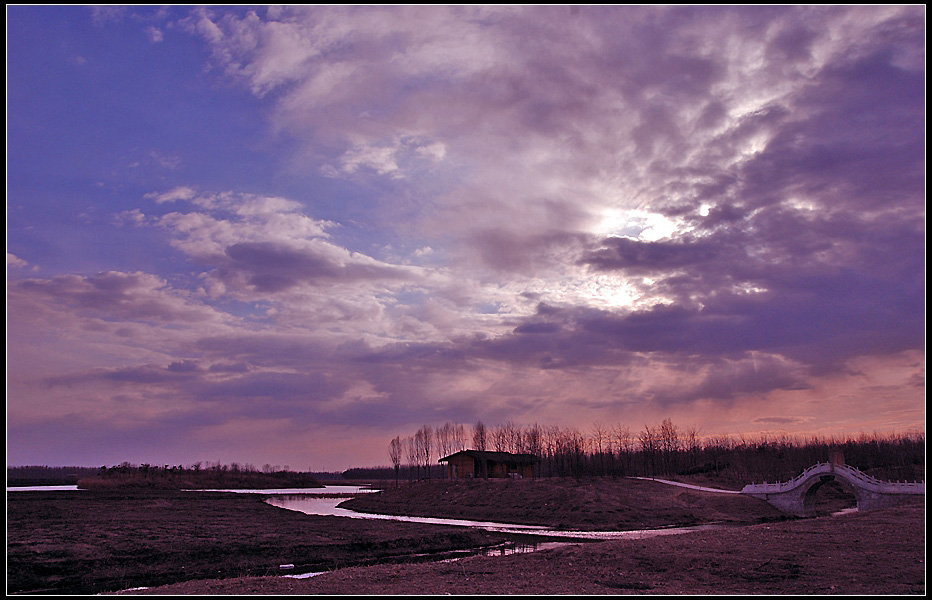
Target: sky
<point>287,235</point>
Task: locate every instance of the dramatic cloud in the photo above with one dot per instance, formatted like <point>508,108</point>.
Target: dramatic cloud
<point>255,233</point>
<point>117,297</point>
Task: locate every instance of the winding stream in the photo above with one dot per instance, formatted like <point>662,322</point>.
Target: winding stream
<point>315,505</point>
<point>325,501</point>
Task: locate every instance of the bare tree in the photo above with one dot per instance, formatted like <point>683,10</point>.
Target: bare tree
<point>507,437</point>
<point>395,453</point>
<point>568,449</point>
<point>624,441</point>
<point>660,448</point>
<point>479,436</point>
<point>426,434</point>
<point>515,437</point>
<point>459,438</point>
<point>550,444</point>
<point>693,445</point>
<point>719,446</point>
<point>533,440</point>
<point>532,443</point>
<point>669,444</point>
<point>648,442</point>
<point>445,439</point>
<point>499,438</point>
<point>599,439</point>
<point>419,451</point>
<point>412,454</point>
<point>575,448</point>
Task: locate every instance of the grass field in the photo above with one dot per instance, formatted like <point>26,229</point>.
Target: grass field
<point>197,543</point>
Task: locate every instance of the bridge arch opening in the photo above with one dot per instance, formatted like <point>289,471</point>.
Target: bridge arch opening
<point>828,494</point>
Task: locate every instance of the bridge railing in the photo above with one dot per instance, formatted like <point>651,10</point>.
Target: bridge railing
<point>859,474</point>
<point>781,486</point>
<point>884,486</point>
<point>852,472</point>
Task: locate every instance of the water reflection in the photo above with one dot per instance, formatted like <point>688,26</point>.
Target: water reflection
<point>344,490</point>
<point>330,489</point>
<point>329,507</point>
<point>43,488</point>
<point>316,505</point>
<point>505,549</point>
<point>517,548</point>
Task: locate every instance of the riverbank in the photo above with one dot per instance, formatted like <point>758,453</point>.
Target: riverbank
<point>85,542</point>
<point>594,504</point>
<point>881,552</point>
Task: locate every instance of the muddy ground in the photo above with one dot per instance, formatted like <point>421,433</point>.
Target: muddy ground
<point>592,504</point>
<point>881,552</point>
<point>78,542</point>
<point>86,542</point>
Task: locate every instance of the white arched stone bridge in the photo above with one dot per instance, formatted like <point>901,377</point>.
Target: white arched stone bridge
<point>797,496</point>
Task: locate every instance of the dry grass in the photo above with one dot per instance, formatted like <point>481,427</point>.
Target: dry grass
<point>200,543</point>
<point>880,552</point>
<point>589,504</point>
<point>87,542</point>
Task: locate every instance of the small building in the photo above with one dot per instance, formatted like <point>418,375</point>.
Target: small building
<point>480,463</point>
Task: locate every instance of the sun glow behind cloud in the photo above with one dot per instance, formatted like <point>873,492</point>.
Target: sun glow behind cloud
<point>636,224</point>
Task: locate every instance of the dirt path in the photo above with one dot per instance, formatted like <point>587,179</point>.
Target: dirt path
<point>690,486</point>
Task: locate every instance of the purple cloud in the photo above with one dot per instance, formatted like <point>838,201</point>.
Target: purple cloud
<point>273,268</point>
<point>296,226</point>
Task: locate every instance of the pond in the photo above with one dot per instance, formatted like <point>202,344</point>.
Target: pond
<point>327,490</point>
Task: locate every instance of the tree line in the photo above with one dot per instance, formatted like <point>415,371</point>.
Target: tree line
<point>197,476</point>
<point>46,475</point>
<point>658,450</point>
<point>419,450</point>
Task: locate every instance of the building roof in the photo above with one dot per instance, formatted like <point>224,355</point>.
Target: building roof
<point>495,456</point>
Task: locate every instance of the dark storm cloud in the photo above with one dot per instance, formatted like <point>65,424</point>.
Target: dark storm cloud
<point>858,148</point>
<point>814,247</point>
<point>146,374</point>
<point>815,313</point>
<point>265,350</point>
<point>270,267</point>
<point>125,296</point>
<point>184,366</point>
<point>508,249</point>
<point>276,386</point>
<point>537,328</point>
<point>816,289</point>
<point>639,258</point>
<point>238,367</point>
<point>728,380</point>
<point>552,339</point>
<point>267,394</point>
<point>848,138</point>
